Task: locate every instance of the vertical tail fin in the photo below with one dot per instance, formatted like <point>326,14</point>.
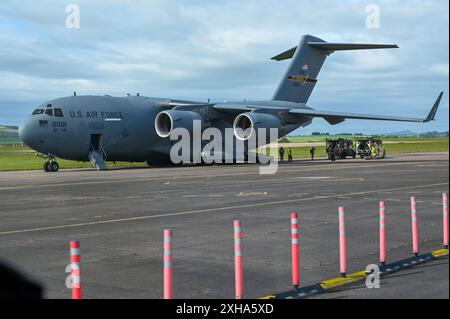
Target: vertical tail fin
<point>307,60</point>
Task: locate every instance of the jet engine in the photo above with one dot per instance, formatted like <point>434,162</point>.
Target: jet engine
<point>167,121</point>
<point>247,124</point>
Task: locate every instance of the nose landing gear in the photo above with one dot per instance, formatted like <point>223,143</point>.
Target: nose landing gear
<point>51,165</point>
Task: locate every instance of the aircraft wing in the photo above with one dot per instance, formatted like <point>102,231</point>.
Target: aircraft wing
<point>330,116</point>
<point>337,117</point>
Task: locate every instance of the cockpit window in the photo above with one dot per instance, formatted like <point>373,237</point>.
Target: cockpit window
<point>58,113</point>
<point>38,111</point>
<point>49,112</point>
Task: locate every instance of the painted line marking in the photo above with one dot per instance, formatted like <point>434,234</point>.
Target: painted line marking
<point>281,170</point>
<point>207,210</point>
<point>440,253</point>
<point>268,297</point>
<point>243,194</point>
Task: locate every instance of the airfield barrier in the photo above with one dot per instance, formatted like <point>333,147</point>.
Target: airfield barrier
<point>382,233</point>
<point>295,250</point>
<point>75,272</point>
<point>415,226</point>
<point>168,272</point>
<point>342,242</point>
<point>445,218</point>
<point>238,261</point>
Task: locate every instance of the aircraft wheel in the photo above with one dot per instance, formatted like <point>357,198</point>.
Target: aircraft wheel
<point>54,167</point>
<point>46,167</point>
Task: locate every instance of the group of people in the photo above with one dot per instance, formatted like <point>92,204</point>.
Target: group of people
<point>281,152</point>
<point>377,151</point>
<point>372,150</point>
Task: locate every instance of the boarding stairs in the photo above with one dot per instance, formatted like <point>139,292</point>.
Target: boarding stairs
<point>97,158</point>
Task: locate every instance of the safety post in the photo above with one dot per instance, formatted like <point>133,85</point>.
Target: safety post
<point>382,233</point>
<point>342,242</point>
<point>295,251</point>
<point>415,227</point>
<point>168,290</point>
<point>238,262</point>
<point>75,272</point>
<point>445,218</point>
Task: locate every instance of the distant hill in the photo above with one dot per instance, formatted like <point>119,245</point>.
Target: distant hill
<point>410,133</point>
<point>434,133</point>
<point>9,135</point>
<point>401,133</point>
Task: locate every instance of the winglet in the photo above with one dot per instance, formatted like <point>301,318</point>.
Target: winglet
<point>434,109</point>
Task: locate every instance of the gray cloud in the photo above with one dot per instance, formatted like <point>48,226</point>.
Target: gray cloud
<point>221,50</point>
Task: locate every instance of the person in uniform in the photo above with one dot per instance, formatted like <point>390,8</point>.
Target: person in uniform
<point>281,153</point>
<point>289,154</point>
<point>312,151</point>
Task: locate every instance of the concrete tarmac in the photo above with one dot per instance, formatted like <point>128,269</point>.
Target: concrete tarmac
<point>119,217</point>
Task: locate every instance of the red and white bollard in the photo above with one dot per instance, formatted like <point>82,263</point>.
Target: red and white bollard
<point>168,290</point>
<point>238,262</point>
<point>342,243</point>
<point>382,233</point>
<point>415,227</point>
<point>445,218</point>
<point>295,251</point>
<point>75,272</point>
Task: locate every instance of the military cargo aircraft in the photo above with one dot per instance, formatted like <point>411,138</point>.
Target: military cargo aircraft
<point>138,128</point>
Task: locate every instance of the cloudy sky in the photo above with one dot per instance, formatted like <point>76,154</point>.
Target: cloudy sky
<point>220,50</point>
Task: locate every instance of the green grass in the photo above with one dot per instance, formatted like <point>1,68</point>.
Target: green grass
<point>12,161</point>
<point>11,148</point>
<point>23,158</point>
<point>14,158</point>
<point>419,147</point>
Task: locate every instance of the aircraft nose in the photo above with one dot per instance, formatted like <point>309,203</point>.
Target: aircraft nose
<point>26,133</point>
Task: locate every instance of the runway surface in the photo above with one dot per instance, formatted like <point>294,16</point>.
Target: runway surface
<point>119,217</point>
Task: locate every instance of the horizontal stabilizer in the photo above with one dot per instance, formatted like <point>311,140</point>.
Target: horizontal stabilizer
<point>331,47</point>
<point>349,46</point>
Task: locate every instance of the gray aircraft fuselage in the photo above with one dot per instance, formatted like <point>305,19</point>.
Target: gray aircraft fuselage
<point>125,126</point>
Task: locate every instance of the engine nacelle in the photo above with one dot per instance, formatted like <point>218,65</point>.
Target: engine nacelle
<point>167,121</point>
<point>247,124</point>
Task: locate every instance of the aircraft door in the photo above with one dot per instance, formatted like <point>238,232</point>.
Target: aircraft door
<point>95,142</point>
